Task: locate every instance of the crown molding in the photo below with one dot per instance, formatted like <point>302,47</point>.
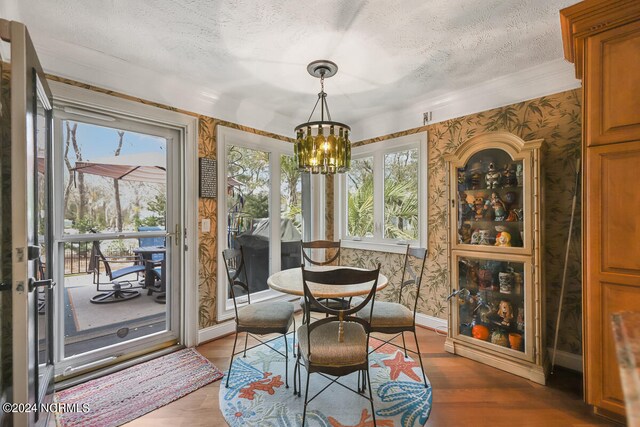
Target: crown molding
<point>545,79</point>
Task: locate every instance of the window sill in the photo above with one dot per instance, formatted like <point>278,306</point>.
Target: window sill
<point>395,248</point>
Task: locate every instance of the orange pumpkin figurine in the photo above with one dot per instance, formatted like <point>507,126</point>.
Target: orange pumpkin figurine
<point>480,332</point>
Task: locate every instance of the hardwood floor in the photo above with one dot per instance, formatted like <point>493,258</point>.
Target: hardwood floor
<point>465,393</point>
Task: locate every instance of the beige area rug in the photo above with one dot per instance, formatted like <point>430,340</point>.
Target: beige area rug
<point>87,315</point>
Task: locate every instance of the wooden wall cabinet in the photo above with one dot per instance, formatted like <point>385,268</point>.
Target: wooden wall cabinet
<point>496,315</point>
<point>602,38</point>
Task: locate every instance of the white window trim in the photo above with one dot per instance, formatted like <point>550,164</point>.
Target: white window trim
<point>378,150</point>
<point>80,100</point>
<point>229,136</point>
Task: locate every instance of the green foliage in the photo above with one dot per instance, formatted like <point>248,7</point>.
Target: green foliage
<point>360,207</point>
<point>158,207</point>
<point>257,205</point>
<point>86,224</point>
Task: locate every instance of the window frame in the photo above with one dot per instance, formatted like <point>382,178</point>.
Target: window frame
<point>378,150</point>
<point>228,136</point>
<point>91,107</point>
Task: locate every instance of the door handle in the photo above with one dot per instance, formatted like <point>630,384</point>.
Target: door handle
<point>35,284</point>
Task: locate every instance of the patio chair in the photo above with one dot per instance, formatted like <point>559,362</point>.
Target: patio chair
<point>327,246</point>
<point>152,241</point>
<point>336,345</point>
<point>155,260</point>
<point>118,290</point>
<point>395,317</point>
<point>259,318</point>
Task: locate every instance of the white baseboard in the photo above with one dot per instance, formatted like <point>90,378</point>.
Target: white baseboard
<point>431,322</point>
<point>216,331</point>
<point>566,359</point>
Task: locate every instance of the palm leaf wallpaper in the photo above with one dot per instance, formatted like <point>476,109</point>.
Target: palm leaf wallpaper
<point>557,120</point>
<point>554,118</point>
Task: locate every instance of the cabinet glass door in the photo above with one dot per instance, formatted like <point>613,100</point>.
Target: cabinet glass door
<point>492,303</point>
<point>491,196</point>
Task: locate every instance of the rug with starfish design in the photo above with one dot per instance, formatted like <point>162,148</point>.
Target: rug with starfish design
<point>257,395</point>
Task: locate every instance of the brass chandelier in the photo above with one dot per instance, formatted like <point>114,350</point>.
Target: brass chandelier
<point>315,152</point>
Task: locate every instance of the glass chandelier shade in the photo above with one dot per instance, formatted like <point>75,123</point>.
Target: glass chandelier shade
<point>322,146</point>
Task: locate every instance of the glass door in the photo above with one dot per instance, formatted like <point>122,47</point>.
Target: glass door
<point>492,204</point>
<point>260,211</point>
<point>118,238</point>
<point>28,183</point>
<point>494,303</point>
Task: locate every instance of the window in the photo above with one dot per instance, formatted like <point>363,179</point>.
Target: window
<point>382,198</point>
<point>260,210</point>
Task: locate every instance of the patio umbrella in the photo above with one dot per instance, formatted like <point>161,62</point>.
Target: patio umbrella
<point>145,167</point>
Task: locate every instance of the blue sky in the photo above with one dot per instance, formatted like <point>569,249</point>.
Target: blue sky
<point>97,141</point>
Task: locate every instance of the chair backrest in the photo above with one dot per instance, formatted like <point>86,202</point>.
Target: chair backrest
<point>338,277</point>
<point>321,244</point>
<point>410,274</point>
<point>97,254</point>
<point>234,264</point>
<point>152,241</point>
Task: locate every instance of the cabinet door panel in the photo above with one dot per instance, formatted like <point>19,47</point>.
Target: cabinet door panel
<point>612,87</point>
<point>612,282</point>
<point>620,200</point>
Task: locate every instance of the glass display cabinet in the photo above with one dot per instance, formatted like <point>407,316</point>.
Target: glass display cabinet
<point>496,246</point>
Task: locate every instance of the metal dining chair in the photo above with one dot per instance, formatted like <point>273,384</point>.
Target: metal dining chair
<point>331,257</point>
<point>395,317</point>
<point>338,344</point>
<point>256,319</point>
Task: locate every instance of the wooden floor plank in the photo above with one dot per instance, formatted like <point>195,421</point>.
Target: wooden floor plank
<point>465,393</point>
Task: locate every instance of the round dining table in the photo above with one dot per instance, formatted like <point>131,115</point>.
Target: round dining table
<point>290,282</point>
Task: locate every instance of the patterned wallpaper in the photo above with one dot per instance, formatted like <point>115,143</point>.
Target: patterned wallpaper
<point>554,118</point>
<point>557,120</point>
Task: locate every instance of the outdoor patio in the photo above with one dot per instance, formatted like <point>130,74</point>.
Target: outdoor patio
<point>88,326</point>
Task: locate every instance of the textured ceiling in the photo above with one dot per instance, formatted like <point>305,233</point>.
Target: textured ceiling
<point>252,55</point>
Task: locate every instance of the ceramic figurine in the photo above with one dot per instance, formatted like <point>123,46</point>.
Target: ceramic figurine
<point>515,341</point>
<point>499,337</point>
<point>519,174</point>
<point>474,176</point>
<point>483,311</point>
<point>509,176</point>
<point>480,208</point>
<point>518,282</point>
<point>498,206</point>
<point>519,213</point>
<point>512,216</point>
<point>505,312</point>
<point>484,237</point>
<point>492,177</point>
<point>510,198</point>
<point>475,237</point>
<point>506,282</point>
<point>480,332</point>
<point>472,277</point>
<point>520,320</point>
<point>485,278</point>
<point>464,234</point>
<point>503,239</point>
<point>465,211</point>
<point>461,178</point>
